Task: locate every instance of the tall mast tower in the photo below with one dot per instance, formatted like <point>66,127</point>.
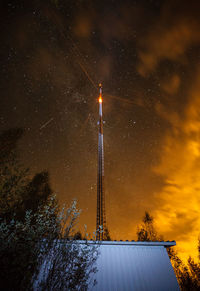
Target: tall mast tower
<point>101,215</point>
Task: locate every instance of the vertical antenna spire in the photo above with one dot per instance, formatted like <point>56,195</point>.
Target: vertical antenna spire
<point>101,216</point>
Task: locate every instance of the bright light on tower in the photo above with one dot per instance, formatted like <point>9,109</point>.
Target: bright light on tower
<point>100,93</point>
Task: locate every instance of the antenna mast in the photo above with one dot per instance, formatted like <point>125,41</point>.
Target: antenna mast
<point>101,215</point>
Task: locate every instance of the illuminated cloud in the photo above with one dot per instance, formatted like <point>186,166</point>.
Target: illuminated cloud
<point>178,214</point>
<point>171,85</point>
<point>171,39</point>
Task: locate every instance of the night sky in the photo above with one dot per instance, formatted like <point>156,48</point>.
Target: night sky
<point>147,55</point>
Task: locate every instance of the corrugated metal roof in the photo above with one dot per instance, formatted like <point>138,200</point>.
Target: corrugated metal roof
<point>131,243</point>
<point>134,266</point>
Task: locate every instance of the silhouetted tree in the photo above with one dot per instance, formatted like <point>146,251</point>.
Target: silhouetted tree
<point>188,275</point>
<point>8,142</point>
<point>13,177</point>
<point>32,228</point>
<point>43,254</point>
<point>195,272</point>
<point>18,192</point>
<point>107,235</point>
<point>146,231</point>
<point>77,236</point>
<point>199,247</point>
<point>69,263</point>
<point>37,192</point>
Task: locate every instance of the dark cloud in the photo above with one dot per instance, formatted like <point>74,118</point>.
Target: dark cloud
<point>173,34</point>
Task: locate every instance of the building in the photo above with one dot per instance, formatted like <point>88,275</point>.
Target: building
<point>121,266</point>
<point>137,266</point>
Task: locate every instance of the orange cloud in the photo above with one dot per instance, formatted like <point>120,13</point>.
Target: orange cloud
<point>178,214</point>
<point>172,85</point>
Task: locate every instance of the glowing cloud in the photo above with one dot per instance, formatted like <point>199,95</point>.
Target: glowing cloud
<point>178,215</point>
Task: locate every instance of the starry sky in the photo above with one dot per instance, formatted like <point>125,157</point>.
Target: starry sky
<point>147,55</point>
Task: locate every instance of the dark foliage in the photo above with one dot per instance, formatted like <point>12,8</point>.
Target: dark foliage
<point>146,231</point>
<point>106,235</point>
<point>32,227</point>
<point>18,192</point>
<point>188,275</point>
<point>78,236</point>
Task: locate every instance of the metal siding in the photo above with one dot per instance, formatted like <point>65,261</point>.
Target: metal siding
<point>136,267</point>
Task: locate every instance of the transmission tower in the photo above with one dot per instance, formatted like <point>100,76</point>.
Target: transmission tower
<point>101,215</point>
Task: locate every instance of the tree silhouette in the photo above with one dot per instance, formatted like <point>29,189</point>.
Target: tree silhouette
<point>18,192</point>
<point>78,236</point>
<point>8,141</point>
<point>34,234</point>
<point>13,177</point>
<point>146,231</point>
<point>188,275</point>
<point>107,235</point>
